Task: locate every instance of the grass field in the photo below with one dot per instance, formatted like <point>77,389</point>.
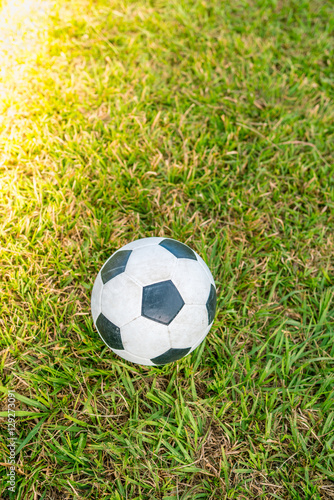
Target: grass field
<point>211,122</point>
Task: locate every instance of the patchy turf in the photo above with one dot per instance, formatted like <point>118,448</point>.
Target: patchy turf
<point>210,122</point>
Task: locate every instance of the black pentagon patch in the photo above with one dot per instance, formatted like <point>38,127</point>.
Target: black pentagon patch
<point>211,304</point>
<point>161,302</point>
<point>115,265</point>
<point>110,333</point>
<point>180,250</point>
<point>170,355</point>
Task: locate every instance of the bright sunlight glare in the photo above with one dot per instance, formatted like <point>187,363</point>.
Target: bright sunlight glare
<point>22,24</point>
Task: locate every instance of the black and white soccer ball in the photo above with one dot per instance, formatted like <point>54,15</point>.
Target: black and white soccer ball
<point>154,301</point>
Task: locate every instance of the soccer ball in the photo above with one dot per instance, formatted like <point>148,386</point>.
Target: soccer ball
<point>154,301</point>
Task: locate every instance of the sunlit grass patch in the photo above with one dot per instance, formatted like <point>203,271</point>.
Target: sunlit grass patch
<point>23,32</point>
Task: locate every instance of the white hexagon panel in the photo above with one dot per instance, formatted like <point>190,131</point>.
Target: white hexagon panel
<point>153,301</point>
<point>150,264</point>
